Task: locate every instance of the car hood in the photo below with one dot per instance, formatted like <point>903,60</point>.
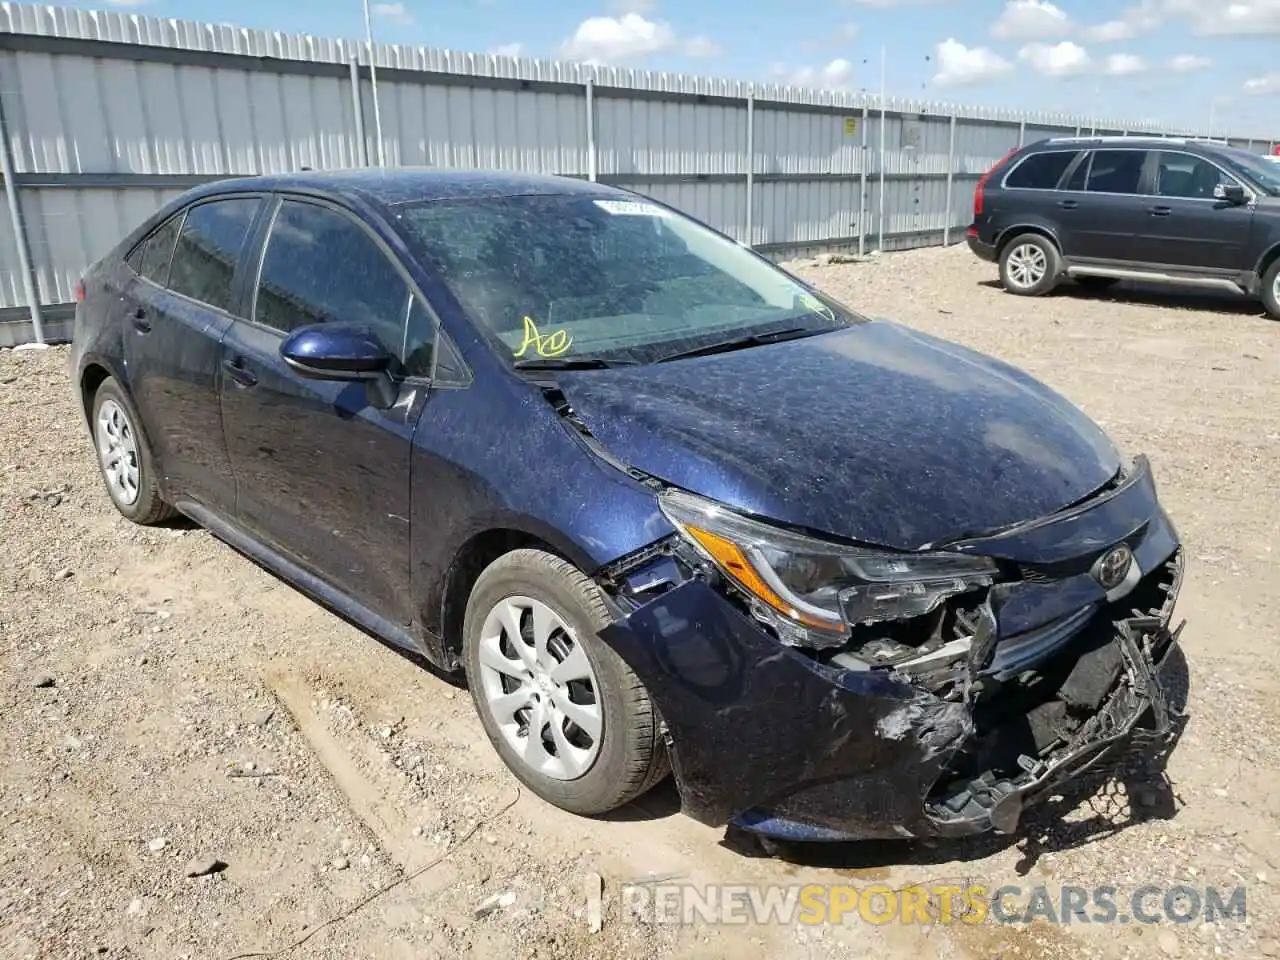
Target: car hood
<point>874,433</point>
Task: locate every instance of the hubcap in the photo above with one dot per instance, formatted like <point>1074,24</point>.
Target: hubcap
<point>118,450</point>
<point>1027,266</point>
<point>539,689</point>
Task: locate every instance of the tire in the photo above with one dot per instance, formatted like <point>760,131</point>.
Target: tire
<point>1030,265</point>
<point>132,483</point>
<point>627,757</point>
<point>1271,290</point>
<point>1096,283</point>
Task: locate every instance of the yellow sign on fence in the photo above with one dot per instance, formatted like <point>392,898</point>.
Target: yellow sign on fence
<point>850,126</point>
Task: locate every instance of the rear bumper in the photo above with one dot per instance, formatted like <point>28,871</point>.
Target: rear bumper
<point>984,251</point>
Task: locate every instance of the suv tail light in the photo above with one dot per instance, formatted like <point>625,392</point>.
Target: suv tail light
<point>79,291</point>
<point>982,182</point>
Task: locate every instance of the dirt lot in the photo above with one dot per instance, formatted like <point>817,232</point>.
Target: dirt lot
<point>165,701</point>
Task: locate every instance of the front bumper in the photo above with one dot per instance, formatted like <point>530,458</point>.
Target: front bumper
<point>769,738</point>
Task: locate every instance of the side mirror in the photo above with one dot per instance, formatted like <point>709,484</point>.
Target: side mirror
<point>343,352</point>
<point>1230,192</point>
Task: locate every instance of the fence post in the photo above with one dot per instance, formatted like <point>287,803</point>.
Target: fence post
<point>951,171</point>
<point>357,105</point>
<point>751,163</point>
<point>1022,133</point>
<point>592,170</point>
<point>884,132</point>
<point>19,228</point>
<point>862,189</point>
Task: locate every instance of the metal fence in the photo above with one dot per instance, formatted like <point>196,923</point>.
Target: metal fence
<point>105,116</point>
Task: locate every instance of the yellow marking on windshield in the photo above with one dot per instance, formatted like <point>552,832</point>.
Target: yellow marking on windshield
<point>551,344</point>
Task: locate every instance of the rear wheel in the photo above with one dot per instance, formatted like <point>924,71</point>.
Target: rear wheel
<point>564,711</point>
<point>124,457</point>
<point>1030,265</point>
<point>1271,290</point>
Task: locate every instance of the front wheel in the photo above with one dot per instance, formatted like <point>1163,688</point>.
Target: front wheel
<point>1030,265</point>
<point>565,713</point>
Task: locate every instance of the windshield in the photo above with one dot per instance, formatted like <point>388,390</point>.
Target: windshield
<point>579,278</point>
<point>1266,175</point>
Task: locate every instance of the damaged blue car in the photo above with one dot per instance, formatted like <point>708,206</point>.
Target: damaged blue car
<point>670,509</point>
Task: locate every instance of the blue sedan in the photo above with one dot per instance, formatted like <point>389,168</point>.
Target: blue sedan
<point>669,509</point>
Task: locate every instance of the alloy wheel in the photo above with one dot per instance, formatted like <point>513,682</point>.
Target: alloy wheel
<point>539,688</point>
<point>118,451</point>
<point>1027,265</point>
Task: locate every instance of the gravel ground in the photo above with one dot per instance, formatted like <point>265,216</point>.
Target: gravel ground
<point>169,708</point>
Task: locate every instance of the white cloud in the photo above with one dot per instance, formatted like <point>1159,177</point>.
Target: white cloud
<point>1124,65</point>
<point>508,49</point>
<point>1258,86</point>
<point>1146,16</point>
<point>847,31</point>
<point>836,75</point>
<point>702,47</point>
<point>1063,59</point>
<point>633,6</point>
<point>958,64</point>
<point>1248,17</point>
<point>1188,62</point>
<point>614,39</point>
<point>396,12</point>
<point>1030,20</point>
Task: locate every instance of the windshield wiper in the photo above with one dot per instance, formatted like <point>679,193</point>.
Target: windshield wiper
<point>741,343</point>
<point>569,363</point>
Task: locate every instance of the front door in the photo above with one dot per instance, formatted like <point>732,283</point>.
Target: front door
<point>176,310</point>
<point>1186,225</point>
<point>322,475</point>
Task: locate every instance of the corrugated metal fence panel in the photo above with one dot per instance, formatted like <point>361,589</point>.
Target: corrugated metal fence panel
<point>979,147</point>
<point>663,137</point>
<point>457,126</point>
<point>719,204</point>
<point>795,141</point>
<point>69,229</point>
<point>73,114</point>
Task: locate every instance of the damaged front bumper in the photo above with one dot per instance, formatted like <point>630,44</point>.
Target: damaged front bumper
<point>793,746</point>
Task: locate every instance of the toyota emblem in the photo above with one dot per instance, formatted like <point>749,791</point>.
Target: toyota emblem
<point>1112,567</point>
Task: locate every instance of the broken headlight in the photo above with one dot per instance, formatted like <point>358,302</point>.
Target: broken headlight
<point>812,591</point>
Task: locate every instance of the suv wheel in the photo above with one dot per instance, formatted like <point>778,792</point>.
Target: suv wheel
<point>1030,265</point>
<point>1271,290</point>
<point>124,457</point>
<point>564,712</point>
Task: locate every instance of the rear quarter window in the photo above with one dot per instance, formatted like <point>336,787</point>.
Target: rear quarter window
<point>1040,171</point>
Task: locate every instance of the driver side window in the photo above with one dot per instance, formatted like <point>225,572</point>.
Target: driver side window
<point>321,266</point>
<point>1187,177</point>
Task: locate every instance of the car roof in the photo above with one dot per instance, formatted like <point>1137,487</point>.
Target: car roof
<point>399,185</point>
<point>1133,141</point>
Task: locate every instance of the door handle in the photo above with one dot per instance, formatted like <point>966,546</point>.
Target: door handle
<point>237,371</point>
<point>140,321</point>
<point>1159,211</point>
<point>1068,204</point>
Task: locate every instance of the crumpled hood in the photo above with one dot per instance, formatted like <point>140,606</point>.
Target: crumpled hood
<point>874,433</point>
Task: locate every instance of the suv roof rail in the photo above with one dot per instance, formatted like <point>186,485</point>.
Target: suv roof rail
<point>1141,138</point>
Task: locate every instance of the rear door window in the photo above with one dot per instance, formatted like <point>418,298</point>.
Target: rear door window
<point>1041,171</point>
<point>204,262</point>
<point>157,251</point>
<point>1116,171</point>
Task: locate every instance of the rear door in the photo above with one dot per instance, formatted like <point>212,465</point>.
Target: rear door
<point>322,476</point>
<point>1186,225</point>
<point>1029,191</point>
<point>175,313</point>
<point>1103,209</point>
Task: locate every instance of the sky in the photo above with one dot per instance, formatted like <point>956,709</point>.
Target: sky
<point>1212,67</point>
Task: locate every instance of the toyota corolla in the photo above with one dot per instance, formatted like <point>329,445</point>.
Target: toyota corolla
<point>669,509</point>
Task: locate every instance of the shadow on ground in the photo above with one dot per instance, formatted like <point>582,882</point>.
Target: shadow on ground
<point>1156,295</point>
